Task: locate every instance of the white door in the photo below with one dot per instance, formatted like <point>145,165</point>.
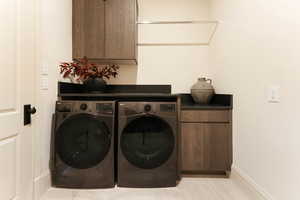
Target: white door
<point>17,87</point>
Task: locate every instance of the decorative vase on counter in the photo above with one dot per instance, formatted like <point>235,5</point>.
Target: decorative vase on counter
<point>95,85</point>
<point>203,91</point>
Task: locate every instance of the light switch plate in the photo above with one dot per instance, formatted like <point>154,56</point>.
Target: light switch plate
<point>274,94</point>
<point>44,70</point>
<point>44,83</point>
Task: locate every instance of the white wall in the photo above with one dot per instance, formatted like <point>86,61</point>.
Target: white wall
<point>257,45</point>
<point>176,65</point>
<point>54,44</point>
<point>179,66</point>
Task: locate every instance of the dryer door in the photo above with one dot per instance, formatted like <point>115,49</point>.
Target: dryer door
<point>82,141</point>
<point>147,142</point>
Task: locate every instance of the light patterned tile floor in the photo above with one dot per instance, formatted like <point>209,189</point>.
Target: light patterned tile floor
<point>188,189</point>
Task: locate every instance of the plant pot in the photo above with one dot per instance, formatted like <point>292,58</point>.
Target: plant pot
<point>95,85</point>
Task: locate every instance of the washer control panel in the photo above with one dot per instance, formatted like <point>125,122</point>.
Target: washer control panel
<point>63,107</point>
<point>85,107</point>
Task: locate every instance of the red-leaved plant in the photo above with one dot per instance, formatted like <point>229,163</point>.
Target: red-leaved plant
<point>82,69</point>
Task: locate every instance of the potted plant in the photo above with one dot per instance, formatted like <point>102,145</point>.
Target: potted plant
<point>90,74</point>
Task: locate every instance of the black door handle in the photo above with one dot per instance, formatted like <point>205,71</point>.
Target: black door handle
<point>32,111</point>
<point>28,111</point>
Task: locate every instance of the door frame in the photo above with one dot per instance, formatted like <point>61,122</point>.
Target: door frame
<point>42,180</point>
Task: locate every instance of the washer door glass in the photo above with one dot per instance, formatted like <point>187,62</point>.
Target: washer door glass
<point>83,141</point>
<point>147,142</point>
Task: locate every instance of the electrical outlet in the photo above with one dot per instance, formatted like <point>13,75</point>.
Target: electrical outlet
<point>274,94</point>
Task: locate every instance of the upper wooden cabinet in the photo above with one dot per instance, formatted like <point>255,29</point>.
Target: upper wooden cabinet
<point>105,31</point>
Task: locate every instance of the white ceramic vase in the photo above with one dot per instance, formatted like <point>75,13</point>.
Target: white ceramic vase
<point>203,91</point>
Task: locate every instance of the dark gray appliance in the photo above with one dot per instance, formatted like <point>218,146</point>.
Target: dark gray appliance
<point>147,144</point>
<point>82,147</point>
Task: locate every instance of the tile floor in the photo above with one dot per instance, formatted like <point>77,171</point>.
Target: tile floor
<point>188,189</point>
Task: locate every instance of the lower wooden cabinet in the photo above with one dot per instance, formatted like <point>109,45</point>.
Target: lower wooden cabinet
<point>206,146</point>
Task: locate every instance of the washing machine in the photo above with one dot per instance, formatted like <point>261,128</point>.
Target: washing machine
<point>82,145</point>
<point>147,144</point>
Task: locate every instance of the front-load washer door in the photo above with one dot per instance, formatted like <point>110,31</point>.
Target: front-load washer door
<point>147,142</point>
<point>82,141</point>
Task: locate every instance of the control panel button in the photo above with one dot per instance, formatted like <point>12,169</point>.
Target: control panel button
<point>83,106</point>
<point>147,108</point>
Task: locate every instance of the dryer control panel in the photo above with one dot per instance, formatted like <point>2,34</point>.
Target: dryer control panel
<point>167,108</point>
<point>159,108</point>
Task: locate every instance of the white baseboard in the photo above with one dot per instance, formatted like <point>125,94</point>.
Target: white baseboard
<point>243,178</point>
<point>41,185</point>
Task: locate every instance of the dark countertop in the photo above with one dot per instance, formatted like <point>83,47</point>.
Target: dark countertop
<point>71,88</point>
<point>69,91</point>
<point>218,102</point>
<point>116,95</point>
<point>121,97</point>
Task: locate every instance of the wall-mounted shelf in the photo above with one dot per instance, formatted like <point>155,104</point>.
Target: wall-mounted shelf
<point>173,44</point>
<point>180,22</point>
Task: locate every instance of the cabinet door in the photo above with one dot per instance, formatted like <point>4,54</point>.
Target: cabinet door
<point>120,29</point>
<point>206,147</point>
<point>89,29</point>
